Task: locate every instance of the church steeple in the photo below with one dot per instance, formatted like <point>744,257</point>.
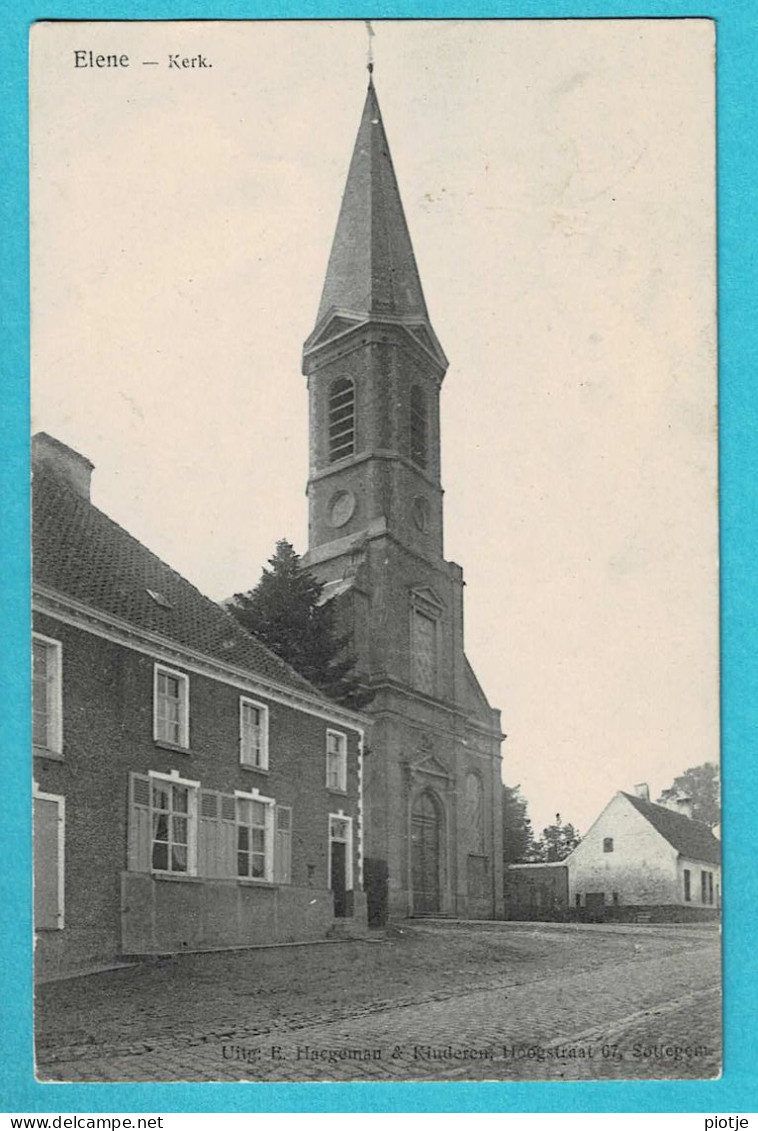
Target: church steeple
<point>372,268</point>
<point>374,367</point>
<point>375,542</point>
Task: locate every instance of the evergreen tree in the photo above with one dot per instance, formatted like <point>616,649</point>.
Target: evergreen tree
<point>285,611</point>
<point>518,835</point>
<point>557,841</point>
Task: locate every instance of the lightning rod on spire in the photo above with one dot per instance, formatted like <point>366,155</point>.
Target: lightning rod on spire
<point>370,58</point>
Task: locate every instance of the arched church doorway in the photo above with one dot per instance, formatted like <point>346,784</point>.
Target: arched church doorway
<point>426,837</point>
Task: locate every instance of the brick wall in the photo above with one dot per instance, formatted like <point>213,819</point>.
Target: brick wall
<point>108,732</point>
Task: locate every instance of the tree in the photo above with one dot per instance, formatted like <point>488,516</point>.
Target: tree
<point>557,841</point>
<point>701,784</point>
<point>286,612</point>
<point>518,835</point>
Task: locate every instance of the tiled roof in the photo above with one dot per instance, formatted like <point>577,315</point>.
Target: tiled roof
<point>691,838</point>
<point>80,552</point>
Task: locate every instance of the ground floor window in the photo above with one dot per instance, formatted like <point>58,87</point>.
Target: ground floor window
<point>173,806</point>
<point>49,861</point>
<point>687,885</point>
<point>254,837</point>
<point>177,827</point>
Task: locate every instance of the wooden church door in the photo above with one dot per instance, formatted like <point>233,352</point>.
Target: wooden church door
<point>425,855</point>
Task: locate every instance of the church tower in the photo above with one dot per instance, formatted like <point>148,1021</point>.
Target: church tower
<point>375,370</point>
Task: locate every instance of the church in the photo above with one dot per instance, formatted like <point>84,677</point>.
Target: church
<point>433,835</point>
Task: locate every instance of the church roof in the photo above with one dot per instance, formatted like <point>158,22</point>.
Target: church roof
<point>372,269</point>
<point>689,837</point>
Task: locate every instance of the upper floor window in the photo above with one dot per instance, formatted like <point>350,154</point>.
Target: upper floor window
<point>424,652</point>
<point>419,427</point>
<point>47,713</point>
<point>608,844</point>
<point>336,760</point>
<point>255,837</point>
<point>253,734</point>
<point>171,707</point>
<point>341,419</point>
<point>173,806</point>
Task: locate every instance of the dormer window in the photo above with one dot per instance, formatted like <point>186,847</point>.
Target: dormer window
<point>419,427</point>
<point>159,599</point>
<point>341,419</point>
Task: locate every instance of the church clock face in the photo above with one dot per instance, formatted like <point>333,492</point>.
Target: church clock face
<point>341,508</point>
<point>420,512</point>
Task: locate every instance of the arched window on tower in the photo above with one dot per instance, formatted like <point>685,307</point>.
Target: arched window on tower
<point>341,419</point>
<point>419,427</point>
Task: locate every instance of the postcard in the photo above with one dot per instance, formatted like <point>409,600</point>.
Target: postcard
<point>337,328</point>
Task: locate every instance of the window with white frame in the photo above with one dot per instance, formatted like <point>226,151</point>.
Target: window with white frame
<point>47,701</point>
<point>255,836</point>
<point>173,814</point>
<point>336,760</point>
<point>253,734</point>
<point>171,707</point>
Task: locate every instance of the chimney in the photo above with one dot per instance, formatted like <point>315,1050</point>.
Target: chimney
<point>74,469</point>
<point>684,806</point>
<point>642,790</point>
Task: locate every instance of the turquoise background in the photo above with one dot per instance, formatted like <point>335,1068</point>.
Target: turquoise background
<point>736,1091</point>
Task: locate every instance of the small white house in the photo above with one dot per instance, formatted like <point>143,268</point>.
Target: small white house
<point>639,856</point>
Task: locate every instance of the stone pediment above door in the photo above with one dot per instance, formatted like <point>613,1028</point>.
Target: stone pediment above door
<point>429,767</point>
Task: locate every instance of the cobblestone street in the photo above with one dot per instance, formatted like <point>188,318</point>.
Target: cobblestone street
<point>422,1001</point>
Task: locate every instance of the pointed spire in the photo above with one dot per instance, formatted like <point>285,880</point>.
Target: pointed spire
<point>372,268</point>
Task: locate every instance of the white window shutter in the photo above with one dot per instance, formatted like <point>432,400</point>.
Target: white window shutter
<point>140,836</point>
<point>227,843</point>
<point>283,845</point>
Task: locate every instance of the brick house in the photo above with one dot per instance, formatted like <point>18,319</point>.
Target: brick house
<point>191,790</point>
<point>639,858</point>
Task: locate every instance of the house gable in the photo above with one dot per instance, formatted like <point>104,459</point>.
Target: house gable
<point>623,854</point>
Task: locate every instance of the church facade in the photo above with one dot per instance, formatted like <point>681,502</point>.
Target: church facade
<point>375,370</point>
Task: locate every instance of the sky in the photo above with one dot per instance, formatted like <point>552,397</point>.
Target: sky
<point>558,182</point>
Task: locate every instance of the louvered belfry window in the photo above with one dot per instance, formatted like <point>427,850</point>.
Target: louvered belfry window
<point>341,419</point>
<point>419,427</point>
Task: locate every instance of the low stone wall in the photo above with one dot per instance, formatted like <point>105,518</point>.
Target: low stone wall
<point>168,915</point>
<point>536,891</point>
<point>640,913</point>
